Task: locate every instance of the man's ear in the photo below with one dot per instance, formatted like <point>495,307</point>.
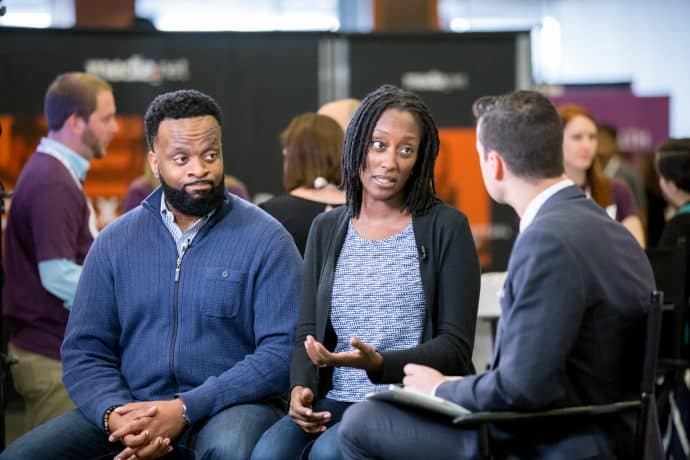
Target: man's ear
<point>496,165</point>
<point>76,124</point>
<point>153,163</point>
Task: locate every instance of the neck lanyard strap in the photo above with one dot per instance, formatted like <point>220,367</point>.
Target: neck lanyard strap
<point>685,209</point>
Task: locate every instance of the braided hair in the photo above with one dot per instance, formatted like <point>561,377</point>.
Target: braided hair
<point>419,191</point>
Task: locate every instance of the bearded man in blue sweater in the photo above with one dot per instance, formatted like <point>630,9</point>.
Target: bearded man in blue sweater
<point>183,320</point>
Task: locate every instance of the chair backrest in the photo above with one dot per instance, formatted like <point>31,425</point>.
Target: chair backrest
<point>647,442</point>
<point>669,267</point>
<point>651,349</point>
<point>651,353</point>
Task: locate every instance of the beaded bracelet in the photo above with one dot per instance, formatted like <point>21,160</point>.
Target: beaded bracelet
<point>106,416</point>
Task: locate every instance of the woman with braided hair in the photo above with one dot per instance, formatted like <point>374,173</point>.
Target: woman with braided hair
<point>390,278</point>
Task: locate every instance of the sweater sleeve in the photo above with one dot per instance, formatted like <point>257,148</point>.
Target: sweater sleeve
<point>454,316</point>
<point>91,352</point>
<point>264,372</point>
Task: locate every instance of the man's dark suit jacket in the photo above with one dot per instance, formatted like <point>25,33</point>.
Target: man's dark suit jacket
<point>571,332</point>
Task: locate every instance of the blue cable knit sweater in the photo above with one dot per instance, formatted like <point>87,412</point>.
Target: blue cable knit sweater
<point>219,336</point>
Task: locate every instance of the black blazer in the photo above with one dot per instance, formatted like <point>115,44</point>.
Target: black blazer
<point>449,268</point>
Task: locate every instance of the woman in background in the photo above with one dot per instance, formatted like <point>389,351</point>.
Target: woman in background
<point>312,146</point>
<point>582,167</point>
<point>389,279</point>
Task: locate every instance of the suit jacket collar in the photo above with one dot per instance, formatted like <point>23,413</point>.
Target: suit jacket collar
<point>570,193</point>
<point>538,201</point>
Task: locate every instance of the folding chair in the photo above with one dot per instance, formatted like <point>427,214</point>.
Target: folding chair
<point>641,404</point>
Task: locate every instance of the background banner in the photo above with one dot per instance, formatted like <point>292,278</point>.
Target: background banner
<point>261,81</point>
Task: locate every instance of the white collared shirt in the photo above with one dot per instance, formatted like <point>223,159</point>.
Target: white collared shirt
<point>539,200</point>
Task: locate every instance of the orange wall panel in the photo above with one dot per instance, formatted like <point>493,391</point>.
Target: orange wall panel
<point>459,183</point>
<point>108,178</point>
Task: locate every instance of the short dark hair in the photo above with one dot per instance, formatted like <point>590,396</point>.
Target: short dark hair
<point>673,162</point>
<point>183,103</point>
<point>72,93</point>
<point>524,128</point>
<point>312,147</point>
<point>419,191</point>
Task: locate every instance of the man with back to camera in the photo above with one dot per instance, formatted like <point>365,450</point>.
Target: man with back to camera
<point>573,306</point>
<point>49,231</point>
<point>184,317</point>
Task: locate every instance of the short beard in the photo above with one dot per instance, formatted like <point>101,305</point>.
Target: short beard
<point>89,139</point>
<point>183,202</point>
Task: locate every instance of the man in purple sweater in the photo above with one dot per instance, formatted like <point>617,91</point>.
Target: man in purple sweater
<point>183,321</point>
<point>49,231</point>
